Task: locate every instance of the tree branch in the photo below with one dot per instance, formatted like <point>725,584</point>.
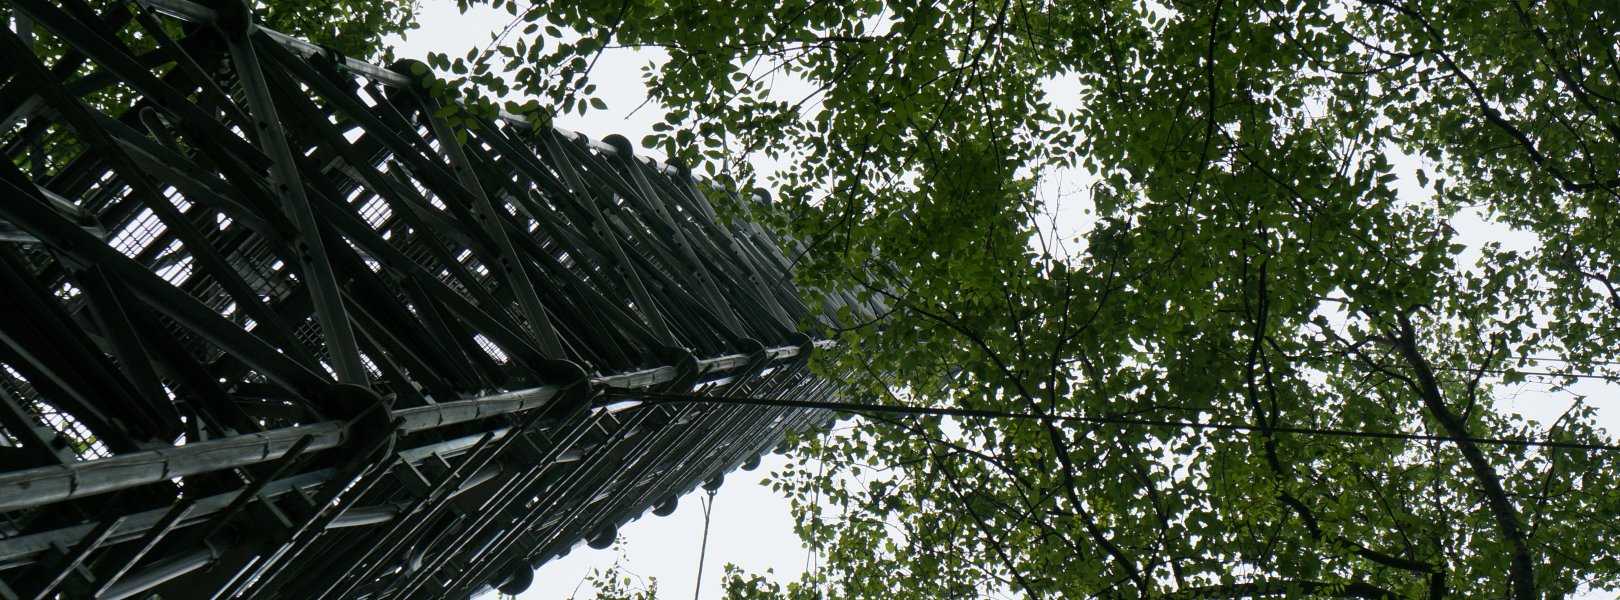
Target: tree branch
<point>1286,588</point>
<point>1521,571</point>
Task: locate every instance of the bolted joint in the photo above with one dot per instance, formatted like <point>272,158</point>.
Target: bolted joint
<point>516,581</point>
<point>371,422</point>
<point>574,390</point>
<point>603,537</point>
<point>762,196</point>
<point>807,346</point>
<point>666,507</point>
<point>416,71</point>
<point>713,485</point>
<point>685,363</point>
<point>622,147</point>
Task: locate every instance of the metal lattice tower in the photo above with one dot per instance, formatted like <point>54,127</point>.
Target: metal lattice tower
<point>269,330</point>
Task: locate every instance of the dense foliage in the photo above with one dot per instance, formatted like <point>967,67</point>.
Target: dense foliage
<point>1270,238</point>
<point>355,28</point>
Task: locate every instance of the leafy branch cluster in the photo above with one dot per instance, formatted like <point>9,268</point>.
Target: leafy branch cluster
<point>1270,237</point>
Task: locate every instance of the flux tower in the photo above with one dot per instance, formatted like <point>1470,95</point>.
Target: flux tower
<point>271,328</point>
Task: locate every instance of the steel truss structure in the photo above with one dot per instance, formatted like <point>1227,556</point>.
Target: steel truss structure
<point>269,329</point>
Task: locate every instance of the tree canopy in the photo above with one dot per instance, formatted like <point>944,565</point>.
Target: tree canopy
<point>1269,241</point>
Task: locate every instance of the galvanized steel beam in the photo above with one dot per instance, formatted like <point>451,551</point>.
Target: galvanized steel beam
<point>274,328</point>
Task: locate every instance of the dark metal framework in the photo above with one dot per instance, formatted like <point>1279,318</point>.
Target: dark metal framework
<point>269,329</point>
